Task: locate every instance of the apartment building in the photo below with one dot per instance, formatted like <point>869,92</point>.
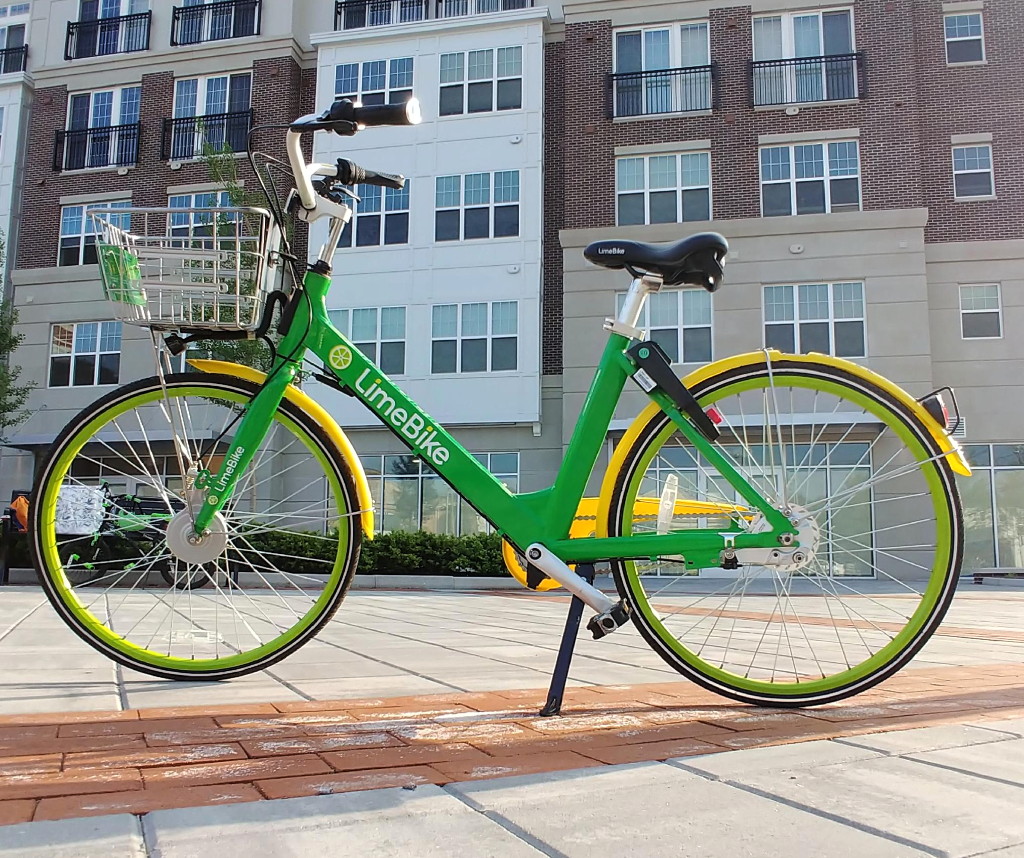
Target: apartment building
<point>15,98</point>
<point>863,159</point>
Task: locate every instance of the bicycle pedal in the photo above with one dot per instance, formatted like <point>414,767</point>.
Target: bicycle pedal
<point>606,623</point>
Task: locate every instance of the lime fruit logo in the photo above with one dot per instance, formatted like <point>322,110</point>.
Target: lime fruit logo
<point>340,357</point>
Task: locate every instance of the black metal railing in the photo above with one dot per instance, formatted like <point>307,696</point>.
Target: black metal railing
<point>211,22</point>
<point>682,90</point>
<point>191,136</point>
<point>13,59</point>
<point>87,148</point>
<point>358,14</point>
<point>838,77</point>
<point>97,38</point>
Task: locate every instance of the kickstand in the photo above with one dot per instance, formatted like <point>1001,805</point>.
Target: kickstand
<point>572,626</point>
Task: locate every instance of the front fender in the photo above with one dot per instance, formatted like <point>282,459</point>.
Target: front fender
<point>954,455</point>
<point>304,402</point>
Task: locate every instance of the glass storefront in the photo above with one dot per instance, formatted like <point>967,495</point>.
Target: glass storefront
<point>993,500</point>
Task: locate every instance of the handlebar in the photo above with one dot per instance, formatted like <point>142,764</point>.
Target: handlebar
<point>346,118</point>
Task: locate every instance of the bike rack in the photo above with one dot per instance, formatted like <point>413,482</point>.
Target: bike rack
<point>556,691</point>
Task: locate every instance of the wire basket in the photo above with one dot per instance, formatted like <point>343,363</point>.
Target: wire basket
<point>187,269</point>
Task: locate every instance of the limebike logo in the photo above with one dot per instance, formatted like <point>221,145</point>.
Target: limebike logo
<point>232,465</point>
<point>413,426</point>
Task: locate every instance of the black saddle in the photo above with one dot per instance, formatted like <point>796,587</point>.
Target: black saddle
<point>696,260</point>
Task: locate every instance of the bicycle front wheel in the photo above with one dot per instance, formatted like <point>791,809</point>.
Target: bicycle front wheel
<point>880,524</point>
<point>293,531</point>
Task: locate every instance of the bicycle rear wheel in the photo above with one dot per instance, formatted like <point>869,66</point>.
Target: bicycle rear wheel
<point>292,523</point>
<point>880,520</point>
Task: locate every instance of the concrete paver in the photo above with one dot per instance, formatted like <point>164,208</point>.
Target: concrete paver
<point>118,835</point>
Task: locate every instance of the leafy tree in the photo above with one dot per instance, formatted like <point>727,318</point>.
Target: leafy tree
<point>13,392</point>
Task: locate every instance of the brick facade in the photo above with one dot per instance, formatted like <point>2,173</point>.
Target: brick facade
<point>912,104</point>
<point>276,87</point>
<point>554,207</point>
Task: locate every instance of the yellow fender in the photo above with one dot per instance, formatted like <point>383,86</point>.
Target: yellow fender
<point>950,447</point>
<point>304,402</point>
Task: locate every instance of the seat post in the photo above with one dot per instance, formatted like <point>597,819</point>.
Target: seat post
<point>626,321</point>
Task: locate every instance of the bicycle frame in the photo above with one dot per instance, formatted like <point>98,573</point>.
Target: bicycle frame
<point>536,517</point>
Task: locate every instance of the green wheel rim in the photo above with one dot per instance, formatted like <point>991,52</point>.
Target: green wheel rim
<point>932,598</point>
<point>95,628</point>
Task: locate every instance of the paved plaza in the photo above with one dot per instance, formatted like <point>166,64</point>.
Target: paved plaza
<point>410,727</point>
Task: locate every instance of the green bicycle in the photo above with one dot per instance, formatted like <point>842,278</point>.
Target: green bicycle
<point>817,551</point>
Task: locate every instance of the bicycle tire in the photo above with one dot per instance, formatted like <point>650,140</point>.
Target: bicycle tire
<point>263,612</point>
<point>708,634</point>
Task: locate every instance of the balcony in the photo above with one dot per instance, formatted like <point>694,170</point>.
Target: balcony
<point>649,93</point>
<point>838,77</point>
<point>212,22</point>
<point>13,59</point>
<point>90,148</point>
<point>192,136</point>
<point>97,38</point>
<point>359,14</point>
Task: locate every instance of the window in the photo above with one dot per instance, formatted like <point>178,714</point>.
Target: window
<point>85,354</point>
<point>993,502</point>
<point>78,231</point>
<point>965,40</point>
<point>189,222</point>
<point>678,320</point>
<point>664,188</point>
<point>478,205</point>
<point>377,333</point>
<point>475,337</point>
<point>12,42</point>
<point>804,57</point>
<point>218,20</point>
<point>972,172</point>
<point>376,82</point>
<point>820,317</point>
<point>16,9</point>
<point>980,312</point>
<point>381,216</point>
<point>810,178</point>
<point>222,103</point>
<point>103,128</point>
<point>481,81</point>
<point>682,51</point>
<point>102,28</point>
<point>410,496</point>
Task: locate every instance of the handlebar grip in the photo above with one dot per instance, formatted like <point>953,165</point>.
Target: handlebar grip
<point>350,173</point>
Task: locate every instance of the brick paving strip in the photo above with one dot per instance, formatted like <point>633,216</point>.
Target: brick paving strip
<point>73,764</point>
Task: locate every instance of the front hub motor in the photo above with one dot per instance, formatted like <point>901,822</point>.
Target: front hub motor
<point>186,545</point>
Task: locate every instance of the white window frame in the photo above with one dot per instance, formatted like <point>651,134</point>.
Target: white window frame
<point>116,105</point>
<point>86,232</point>
<point>789,35</point>
<point>102,327</point>
<point>963,291</point>
<point>832,319</point>
<point>391,93</point>
<point>461,337</point>
<point>680,187</point>
<point>652,89</point>
<point>991,172</point>
<point>464,82</point>
<point>662,333</point>
<point>195,222</point>
<point>491,205</point>
<point>343,320</point>
<point>981,37</point>
<point>827,178</point>
<point>112,142</point>
<point>393,204</point>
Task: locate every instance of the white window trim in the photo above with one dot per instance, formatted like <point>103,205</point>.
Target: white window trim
<point>344,324</point>
<point>490,206</point>
<point>998,310</point>
<point>86,207</point>
<point>387,90</point>
<point>494,78</point>
<point>645,325</point>
<point>795,322</point>
<point>675,41</point>
<point>383,215</point>
<point>679,188</point>
<point>788,40</point>
<point>202,85</point>
<point>792,180</point>
<point>115,105</point>
<point>946,40</point>
<point>97,354</point>
<point>489,337</point>
<point>991,171</point>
